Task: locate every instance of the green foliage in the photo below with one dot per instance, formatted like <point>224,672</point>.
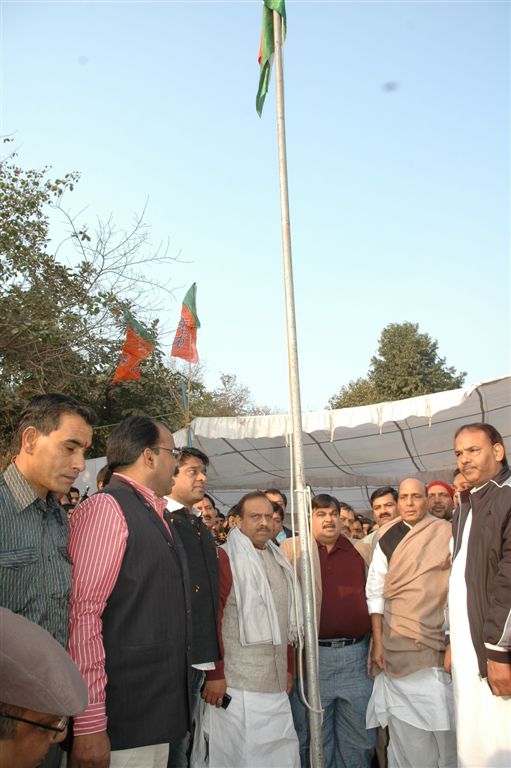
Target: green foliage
<point>407,364</point>
<point>230,399</point>
<point>357,392</point>
<point>62,314</point>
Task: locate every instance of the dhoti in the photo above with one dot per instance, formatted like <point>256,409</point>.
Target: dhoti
<point>255,731</point>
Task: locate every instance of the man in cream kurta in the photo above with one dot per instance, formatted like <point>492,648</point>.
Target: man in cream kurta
<point>406,596</point>
<point>258,619</point>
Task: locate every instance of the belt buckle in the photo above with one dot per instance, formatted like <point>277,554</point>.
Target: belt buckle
<point>338,643</point>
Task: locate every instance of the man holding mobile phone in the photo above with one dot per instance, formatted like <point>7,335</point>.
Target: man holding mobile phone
<point>249,721</point>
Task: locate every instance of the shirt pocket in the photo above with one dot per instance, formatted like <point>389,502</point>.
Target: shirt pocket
<point>18,558</point>
<point>18,579</point>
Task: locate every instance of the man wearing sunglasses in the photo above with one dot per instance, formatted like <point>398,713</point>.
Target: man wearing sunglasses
<point>130,612</point>
<point>40,688</point>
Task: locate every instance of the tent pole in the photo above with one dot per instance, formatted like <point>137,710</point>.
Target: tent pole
<point>311,648</point>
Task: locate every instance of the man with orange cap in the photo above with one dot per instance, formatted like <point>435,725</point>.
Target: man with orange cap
<point>440,499</point>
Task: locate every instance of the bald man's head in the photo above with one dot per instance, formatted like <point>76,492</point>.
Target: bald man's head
<point>412,501</point>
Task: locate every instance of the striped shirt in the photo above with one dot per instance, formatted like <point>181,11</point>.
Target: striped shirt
<point>97,544</point>
<point>35,570</point>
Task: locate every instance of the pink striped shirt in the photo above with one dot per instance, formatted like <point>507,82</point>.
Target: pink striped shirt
<point>97,543</point>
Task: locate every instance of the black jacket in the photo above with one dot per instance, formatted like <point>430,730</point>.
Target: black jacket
<point>488,568</point>
<point>202,557</point>
<point>146,631</point>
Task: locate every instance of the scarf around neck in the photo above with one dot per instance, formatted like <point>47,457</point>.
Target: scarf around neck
<point>257,615</point>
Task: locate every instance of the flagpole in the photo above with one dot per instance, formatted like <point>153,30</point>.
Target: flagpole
<point>311,647</point>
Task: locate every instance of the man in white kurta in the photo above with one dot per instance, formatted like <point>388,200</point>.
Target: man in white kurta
<point>406,596</point>
<point>480,601</point>
<point>258,619</point>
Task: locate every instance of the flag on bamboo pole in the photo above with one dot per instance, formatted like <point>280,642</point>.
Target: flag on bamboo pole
<point>185,340</point>
<point>138,345</point>
<point>267,48</point>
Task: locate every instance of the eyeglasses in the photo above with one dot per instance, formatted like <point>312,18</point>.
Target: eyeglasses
<point>175,452</point>
<point>60,728</point>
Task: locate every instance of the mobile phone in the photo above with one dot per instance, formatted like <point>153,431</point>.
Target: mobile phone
<point>226,701</point>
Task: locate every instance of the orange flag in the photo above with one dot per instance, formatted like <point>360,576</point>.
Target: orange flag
<point>137,347</point>
<point>185,340</point>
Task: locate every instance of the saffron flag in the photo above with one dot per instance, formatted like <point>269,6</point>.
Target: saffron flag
<point>267,48</point>
<point>138,345</point>
<point>185,340</point>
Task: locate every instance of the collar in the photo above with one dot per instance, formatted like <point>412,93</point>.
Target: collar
<point>173,506</point>
<point>156,501</point>
<point>341,543</point>
<point>23,493</point>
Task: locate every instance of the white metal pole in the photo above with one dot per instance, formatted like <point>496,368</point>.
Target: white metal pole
<point>311,648</point>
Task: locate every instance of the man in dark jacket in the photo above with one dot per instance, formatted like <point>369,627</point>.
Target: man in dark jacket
<point>480,600</point>
<point>199,545</point>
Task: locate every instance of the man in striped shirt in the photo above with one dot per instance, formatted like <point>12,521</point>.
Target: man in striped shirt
<point>48,454</point>
<point>130,607</point>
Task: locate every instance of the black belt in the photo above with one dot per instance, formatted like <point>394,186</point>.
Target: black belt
<point>341,642</point>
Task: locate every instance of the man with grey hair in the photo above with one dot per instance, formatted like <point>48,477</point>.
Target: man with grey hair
<point>406,597</point>
<point>40,689</point>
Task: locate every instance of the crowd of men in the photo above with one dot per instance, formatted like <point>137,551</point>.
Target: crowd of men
<point>173,636</point>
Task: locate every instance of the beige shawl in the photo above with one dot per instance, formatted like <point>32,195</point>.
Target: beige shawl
<point>415,595</point>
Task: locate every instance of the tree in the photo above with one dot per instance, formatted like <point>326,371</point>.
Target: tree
<point>230,399</point>
<point>356,392</point>
<point>62,309</point>
<point>407,364</point>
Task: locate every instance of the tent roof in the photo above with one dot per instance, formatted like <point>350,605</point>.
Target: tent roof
<point>352,451</point>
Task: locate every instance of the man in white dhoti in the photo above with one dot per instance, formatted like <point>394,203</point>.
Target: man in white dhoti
<point>259,619</point>
<point>406,596</point>
<point>480,601</point>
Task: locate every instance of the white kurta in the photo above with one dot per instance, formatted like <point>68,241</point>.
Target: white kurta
<point>483,721</point>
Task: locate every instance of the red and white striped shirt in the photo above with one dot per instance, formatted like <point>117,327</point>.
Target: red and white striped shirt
<point>97,543</point>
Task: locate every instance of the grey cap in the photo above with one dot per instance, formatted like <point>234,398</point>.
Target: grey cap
<point>36,673</point>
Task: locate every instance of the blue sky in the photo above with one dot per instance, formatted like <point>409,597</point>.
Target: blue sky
<point>399,196</point>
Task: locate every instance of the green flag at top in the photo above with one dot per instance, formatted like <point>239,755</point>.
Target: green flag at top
<point>267,47</point>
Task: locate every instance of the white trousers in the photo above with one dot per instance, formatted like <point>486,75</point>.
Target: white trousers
<point>411,747</point>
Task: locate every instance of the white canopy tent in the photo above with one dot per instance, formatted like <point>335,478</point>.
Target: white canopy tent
<point>347,452</point>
